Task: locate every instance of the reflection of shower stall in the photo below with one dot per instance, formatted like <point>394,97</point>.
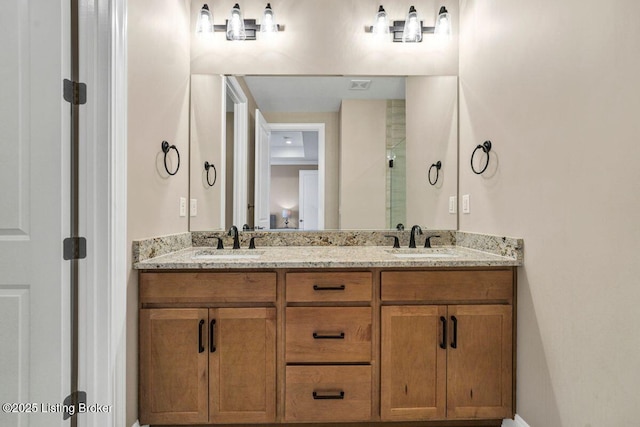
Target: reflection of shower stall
<point>396,144</point>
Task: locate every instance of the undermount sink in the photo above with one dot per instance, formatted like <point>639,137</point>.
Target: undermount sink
<point>222,254</point>
<point>422,253</point>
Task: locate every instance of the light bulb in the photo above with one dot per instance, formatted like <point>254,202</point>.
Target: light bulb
<point>269,24</point>
<point>381,23</point>
<point>205,21</point>
<point>412,27</point>
<point>235,25</point>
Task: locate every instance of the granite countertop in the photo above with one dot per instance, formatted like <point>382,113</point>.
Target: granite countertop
<point>324,257</point>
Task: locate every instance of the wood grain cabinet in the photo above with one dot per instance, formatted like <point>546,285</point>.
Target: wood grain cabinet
<point>207,365</point>
<point>447,361</point>
<point>416,345</point>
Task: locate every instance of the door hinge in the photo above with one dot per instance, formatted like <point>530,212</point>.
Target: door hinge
<point>75,92</point>
<point>75,248</point>
<point>71,404</point>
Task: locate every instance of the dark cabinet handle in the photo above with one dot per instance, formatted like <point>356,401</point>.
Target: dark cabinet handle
<point>212,339</point>
<point>317,336</point>
<point>200,346</point>
<point>454,340</point>
<point>326,396</point>
<point>443,343</point>
<point>329,288</point>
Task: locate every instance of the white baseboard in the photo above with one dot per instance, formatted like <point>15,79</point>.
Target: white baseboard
<point>516,422</point>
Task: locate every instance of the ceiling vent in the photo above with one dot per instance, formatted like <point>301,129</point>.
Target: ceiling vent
<point>359,84</point>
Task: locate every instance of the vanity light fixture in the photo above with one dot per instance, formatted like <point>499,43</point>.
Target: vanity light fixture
<point>381,23</point>
<point>236,27</point>
<point>443,24</point>
<point>205,21</point>
<point>410,30</point>
<point>269,24</point>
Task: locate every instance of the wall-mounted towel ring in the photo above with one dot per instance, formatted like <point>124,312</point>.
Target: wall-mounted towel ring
<point>165,149</point>
<point>208,166</point>
<point>486,147</point>
<point>436,165</point>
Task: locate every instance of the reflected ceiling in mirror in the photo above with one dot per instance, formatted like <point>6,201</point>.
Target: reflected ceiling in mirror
<point>306,94</point>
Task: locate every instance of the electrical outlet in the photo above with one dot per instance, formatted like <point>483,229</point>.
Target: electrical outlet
<point>465,204</point>
<point>452,204</point>
<point>193,208</point>
<point>183,206</point>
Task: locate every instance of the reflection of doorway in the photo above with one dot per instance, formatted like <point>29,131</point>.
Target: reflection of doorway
<point>238,186</point>
<point>285,150</point>
<point>308,200</point>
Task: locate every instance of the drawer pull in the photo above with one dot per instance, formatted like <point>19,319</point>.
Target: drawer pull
<point>317,336</point>
<point>200,346</point>
<point>328,396</point>
<point>443,343</point>
<point>329,288</point>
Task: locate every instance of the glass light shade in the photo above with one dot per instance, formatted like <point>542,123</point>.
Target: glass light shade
<point>268,24</point>
<point>381,22</point>
<point>443,24</point>
<point>235,25</point>
<point>286,213</point>
<point>412,27</point>
<point>205,21</point>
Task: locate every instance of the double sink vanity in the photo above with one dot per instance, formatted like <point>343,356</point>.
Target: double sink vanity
<point>336,328</point>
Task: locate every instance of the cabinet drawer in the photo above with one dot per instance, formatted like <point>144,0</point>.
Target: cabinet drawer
<point>329,287</point>
<point>328,393</point>
<point>168,287</point>
<point>328,334</point>
<point>448,286</point>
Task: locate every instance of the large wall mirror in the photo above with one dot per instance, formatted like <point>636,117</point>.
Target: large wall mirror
<point>323,152</point>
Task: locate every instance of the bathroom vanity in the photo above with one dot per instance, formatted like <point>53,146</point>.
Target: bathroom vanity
<point>327,335</point>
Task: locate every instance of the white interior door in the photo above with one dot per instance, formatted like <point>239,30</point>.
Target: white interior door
<point>263,172</point>
<point>34,279</point>
<point>308,200</point>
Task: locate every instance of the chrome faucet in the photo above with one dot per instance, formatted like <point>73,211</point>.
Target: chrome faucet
<point>233,231</point>
<point>412,240</point>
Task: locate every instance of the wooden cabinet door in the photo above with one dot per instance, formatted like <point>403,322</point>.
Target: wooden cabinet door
<point>479,362</point>
<point>242,365</point>
<point>174,380</point>
<point>413,363</point>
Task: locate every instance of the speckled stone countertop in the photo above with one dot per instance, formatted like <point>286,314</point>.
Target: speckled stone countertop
<point>324,257</point>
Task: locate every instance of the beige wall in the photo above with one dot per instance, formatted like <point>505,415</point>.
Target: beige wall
<point>559,99</point>
<point>331,122</point>
<point>285,189</point>
<point>206,145</point>
<point>363,164</point>
<point>325,37</point>
<point>158,109</point>
<point>432,136</point>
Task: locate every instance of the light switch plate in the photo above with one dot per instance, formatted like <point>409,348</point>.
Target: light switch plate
<point>183,206</point>
<point>465,204</point>
<point>452,204</point>
<point>193,207</point>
